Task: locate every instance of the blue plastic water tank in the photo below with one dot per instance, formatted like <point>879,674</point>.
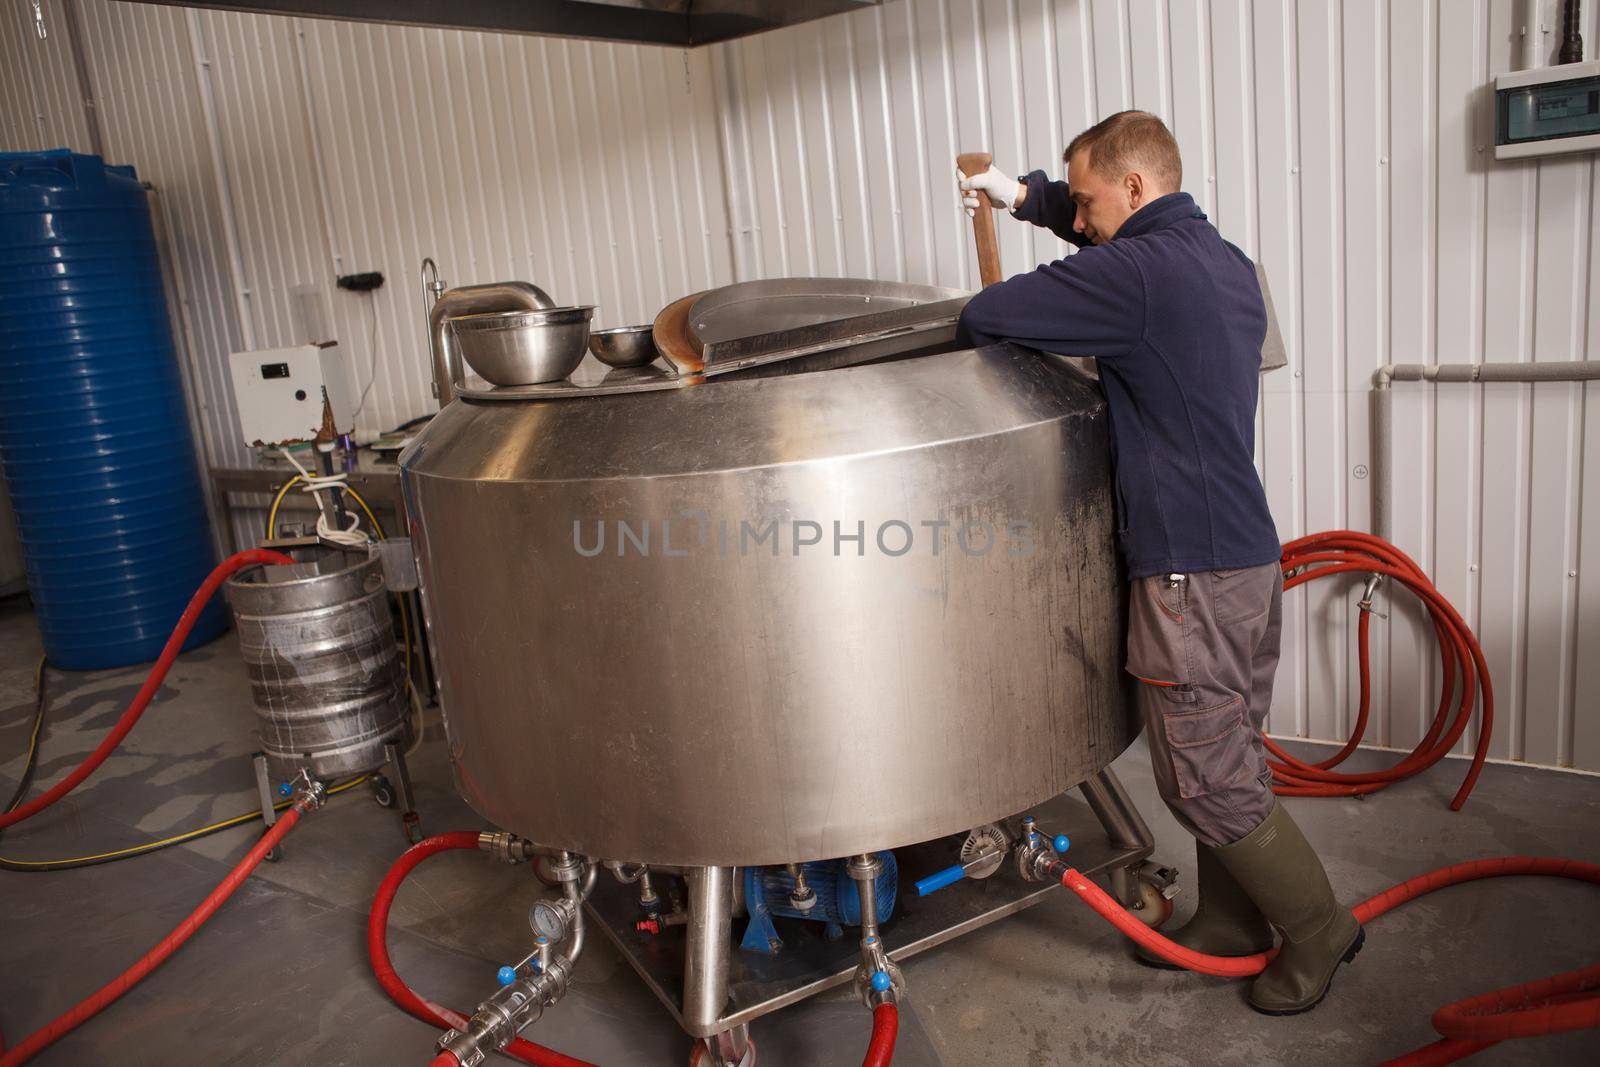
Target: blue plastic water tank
<point>94,435</point>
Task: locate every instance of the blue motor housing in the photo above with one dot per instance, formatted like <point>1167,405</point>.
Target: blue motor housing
<point>767,892</point>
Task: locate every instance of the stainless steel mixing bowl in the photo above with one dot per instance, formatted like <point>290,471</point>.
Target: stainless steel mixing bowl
<point>624,346</point>
<point>523,347</point>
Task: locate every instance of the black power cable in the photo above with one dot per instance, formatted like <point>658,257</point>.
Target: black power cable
<point>33,737</point>
<point>1571,32</point>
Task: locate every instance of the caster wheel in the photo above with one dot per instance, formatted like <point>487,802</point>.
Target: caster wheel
<point>383,792</point>
<point>699,1057</point>
<point>1153,909</point>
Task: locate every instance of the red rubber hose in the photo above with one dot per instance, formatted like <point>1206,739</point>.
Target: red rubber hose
<point>1348,551</point>
<point>62,1025</point>
<point>402,994</point>
<point>1558,1004</point>
<point>885,1029</point>
<point>444,1059</point>
<point>158,673</point>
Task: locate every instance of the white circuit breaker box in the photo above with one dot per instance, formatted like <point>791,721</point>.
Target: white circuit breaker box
<point>280,390</point>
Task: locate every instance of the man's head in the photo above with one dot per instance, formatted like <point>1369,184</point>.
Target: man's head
<point>1116,167</point>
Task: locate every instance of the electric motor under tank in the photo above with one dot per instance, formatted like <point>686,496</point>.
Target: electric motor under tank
<point>326,679</point>
<point>847,589</point>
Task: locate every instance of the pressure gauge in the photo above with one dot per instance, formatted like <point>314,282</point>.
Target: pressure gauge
<point>549,919</point>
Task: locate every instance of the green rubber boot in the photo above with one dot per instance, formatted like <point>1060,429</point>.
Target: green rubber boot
<point>1226,922</point>
<point>1280,871</point>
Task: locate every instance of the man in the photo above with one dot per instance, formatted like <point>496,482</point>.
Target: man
<point>1175,317</point>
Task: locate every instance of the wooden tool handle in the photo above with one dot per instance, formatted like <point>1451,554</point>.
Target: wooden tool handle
<point>973,164</point>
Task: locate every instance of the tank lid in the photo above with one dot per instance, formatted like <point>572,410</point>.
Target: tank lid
<point>765,323</point>
<point>28,178</point>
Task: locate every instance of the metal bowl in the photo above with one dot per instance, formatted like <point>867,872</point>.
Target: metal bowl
<point>523,347</point>
<point>624,346</point>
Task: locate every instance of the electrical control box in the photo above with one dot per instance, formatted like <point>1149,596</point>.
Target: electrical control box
<point>1547,111</point>
<point>280,392</point>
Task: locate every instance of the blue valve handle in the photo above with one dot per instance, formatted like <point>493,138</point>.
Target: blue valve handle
<point>286,789</point>
<point>940,879</point>
<point>1060,843</point>
<point>881,981</point>
<point>506,975</point>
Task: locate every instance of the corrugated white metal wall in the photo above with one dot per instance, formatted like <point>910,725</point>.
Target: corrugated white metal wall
<point>1341,143</point>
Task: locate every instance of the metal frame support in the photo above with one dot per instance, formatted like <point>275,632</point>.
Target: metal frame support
<point>1124,826</point>
<point>406,801</point>
<point>269,814</point>
<point>707,950</point>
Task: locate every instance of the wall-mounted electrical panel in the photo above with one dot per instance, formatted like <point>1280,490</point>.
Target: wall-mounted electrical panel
<point>280,392</point>
<point>1547,111</point>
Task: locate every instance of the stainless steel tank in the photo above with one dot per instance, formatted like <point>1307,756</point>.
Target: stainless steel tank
<point>325,677</point>
<point>768,620</point>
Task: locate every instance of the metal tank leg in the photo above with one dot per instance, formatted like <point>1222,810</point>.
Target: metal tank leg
<point>269,814</point>
<point>705,966</point>
<point>410,822</point>
<point>1127,830</point>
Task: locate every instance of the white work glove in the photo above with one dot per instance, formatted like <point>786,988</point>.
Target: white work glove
<point>996,183</point>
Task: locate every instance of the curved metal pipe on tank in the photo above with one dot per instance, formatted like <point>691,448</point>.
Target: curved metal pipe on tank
<point>471,300</point>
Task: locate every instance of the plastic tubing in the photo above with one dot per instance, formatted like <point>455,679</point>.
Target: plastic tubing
<point>141,700</point>
<point>396,988</point>
<point>1349,551</point>
<point>1558,1004</point>
<point>88,1008</point>
<point>885,1029</point>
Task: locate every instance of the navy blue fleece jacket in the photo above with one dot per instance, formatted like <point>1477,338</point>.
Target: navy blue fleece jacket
<point>1173,314</point>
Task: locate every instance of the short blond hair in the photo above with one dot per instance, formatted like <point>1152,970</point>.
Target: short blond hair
<point>1129,141</point>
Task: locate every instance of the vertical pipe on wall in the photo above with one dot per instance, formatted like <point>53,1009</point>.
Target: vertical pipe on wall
<point>1382,411</point>
<point>80,67</point>
<point>314,135</point>
<point>219,169</point>
<point>183,335</point>
<point>735,170</point>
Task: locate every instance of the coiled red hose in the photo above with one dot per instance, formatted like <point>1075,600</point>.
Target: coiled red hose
<point>1348,551</point>
<point>158,673</point>
<point>885,1029</point>
<point>1558,1004</point>
<point>86,1009</point>
<point>402,994</point>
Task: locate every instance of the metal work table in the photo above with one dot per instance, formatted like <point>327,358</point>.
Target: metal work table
<point>377,480</point>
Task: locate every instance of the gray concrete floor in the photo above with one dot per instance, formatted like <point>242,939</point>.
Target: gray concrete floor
<point>280,975</point>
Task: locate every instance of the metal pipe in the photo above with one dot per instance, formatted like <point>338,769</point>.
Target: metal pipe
<point>91,111</point>
<point>472,300</point>
<point>705,962</point>
<point>1114,808</point>
<point>865,869</point>
<point>1382,409</point>
<point>1577,370</point>
<point>575,934</point>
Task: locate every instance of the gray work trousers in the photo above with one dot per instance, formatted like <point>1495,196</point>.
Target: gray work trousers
<point>1204,648</point>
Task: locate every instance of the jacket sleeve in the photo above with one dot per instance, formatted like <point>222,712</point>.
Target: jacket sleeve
<point>1049,204</point>
<point>1088,304</point>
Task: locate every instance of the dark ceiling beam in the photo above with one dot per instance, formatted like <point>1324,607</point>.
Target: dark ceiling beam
<point>694,23</point>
